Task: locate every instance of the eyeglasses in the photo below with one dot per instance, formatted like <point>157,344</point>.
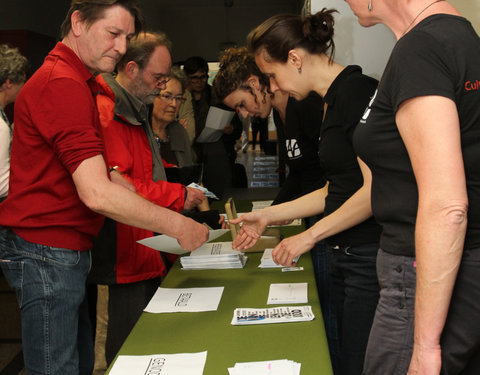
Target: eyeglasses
<point>167,98</point>
<point>200,77</point>
<point>161,79</point>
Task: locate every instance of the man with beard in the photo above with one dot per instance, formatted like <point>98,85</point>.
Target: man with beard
<point>126,272</point>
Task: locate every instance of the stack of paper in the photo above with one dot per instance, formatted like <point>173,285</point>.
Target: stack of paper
<point>218,255</point>
<point>278,367</point>
<point>165,364</point>
<point>281,314</point>
<point>168,300</point>
<point>267,260</point>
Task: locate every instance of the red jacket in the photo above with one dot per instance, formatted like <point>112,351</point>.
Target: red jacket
<point>128,151</point>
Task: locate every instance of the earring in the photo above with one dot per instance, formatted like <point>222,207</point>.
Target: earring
<point>299,70</point>
<point>370,6</point>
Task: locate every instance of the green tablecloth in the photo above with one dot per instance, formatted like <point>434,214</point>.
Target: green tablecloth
<point>303,342</point>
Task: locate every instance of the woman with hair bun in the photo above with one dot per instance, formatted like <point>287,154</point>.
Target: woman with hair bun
<point>296,53</point>
<point>241,85</point>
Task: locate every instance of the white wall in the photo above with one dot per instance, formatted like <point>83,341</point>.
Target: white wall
<point>371,47</point>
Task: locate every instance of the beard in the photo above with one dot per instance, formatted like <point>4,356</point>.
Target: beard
<point>149,97</point>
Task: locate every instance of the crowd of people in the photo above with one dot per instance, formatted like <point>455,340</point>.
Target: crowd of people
<point>103,146</point>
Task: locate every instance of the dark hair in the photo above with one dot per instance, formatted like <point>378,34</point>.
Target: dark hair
<point>236,66</point>
<point>141,47</point>
<point>179,75</point>
<point>194,64</point>
<point>13,65</point>
<point>93,10</point>
<point>284,32</point>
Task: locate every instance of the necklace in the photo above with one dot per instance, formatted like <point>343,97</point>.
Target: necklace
<point>418,15</point>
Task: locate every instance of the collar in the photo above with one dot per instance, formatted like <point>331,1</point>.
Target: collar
<point>343,76</point>
<point>127,106</point>
<point>62,51</point>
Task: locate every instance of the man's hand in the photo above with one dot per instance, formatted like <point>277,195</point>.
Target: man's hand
<point>194,198</point>
<point>228,129</point>
<point>193,235</point>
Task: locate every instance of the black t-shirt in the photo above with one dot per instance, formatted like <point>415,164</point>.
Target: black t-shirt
<point>347,98</point>
<point>439,56</point>
<point>298,145</point>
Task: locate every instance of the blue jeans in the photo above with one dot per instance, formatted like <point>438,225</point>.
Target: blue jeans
<point>50,287</point>
<point>321,264</point>
<point>353,270</point>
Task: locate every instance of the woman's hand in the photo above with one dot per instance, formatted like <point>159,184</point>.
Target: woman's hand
<point>425,361</point>
<point>253,225</point>
<point>287,250</point>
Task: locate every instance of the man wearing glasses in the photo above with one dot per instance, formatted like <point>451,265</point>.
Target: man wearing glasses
<point>123,269</point>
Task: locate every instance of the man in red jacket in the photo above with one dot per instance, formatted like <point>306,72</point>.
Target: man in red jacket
<point>128,279</point>
<point>60,188</point>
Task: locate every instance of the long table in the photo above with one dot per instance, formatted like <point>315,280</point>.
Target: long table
<point>169,333</point>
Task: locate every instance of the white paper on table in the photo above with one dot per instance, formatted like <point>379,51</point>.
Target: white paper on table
<point>169,244</point>
<point>166,300</point>
<point>267,259</point>
<point>288,293</point>
<point>277,367</point>
<point>165,364</point>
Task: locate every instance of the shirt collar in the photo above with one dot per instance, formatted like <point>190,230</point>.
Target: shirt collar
<point>332,90</point>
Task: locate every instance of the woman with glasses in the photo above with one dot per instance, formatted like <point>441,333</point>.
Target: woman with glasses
<point>170,135</point>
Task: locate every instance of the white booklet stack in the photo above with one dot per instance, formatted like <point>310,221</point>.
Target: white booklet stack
<point>267,260</point>
<point>278,367</point>
<point>217,255</point>
<point>281,314</point>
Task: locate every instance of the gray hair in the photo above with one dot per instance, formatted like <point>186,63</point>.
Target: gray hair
<point>180,76</point>
<point>141,47</point>
<point>13,65</point>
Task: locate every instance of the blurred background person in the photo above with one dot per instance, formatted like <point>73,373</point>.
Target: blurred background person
<point>13,73</point>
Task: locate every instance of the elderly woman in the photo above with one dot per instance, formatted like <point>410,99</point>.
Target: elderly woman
<point>171,136</point>
<point>421,139</point>
<point>13,67</point>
